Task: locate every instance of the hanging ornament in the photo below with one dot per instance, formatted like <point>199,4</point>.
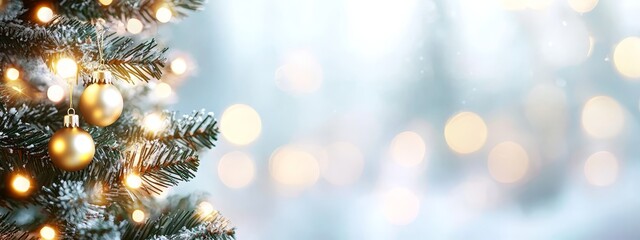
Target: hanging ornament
<point>101,103</point>
<point>71,148</point>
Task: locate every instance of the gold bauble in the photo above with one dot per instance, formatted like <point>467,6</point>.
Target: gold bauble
<point>101,103</point>
<point>71,148</point>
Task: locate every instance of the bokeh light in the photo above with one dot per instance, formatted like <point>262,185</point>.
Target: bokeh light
<point>162,90</point>
<point>601,169</point>
<point>154,122</point>
<point>48,233</point>
<point>602,117</point>
<point>344,164</point>
<point>105,2</point>
<point>292,166</point>
<point>66,68</point>
<point>508,162</point>
<point>240,124</point>
<point>178,66</point>
<point>539,4</point>
<point>626,57</point>
<point>408,148</point>
<point>44,14</point>
<point>300,74</point>
<point>514,4</point>
<point>163,14</point>
<point>133,181</point>
<point>583,6</point>
<point>236,169</point>
<point>20,184</point>
<point>465,132</point>
<point>12,74</point>
<point>400,206</point>
<point>134,26</point>
<point>138,216</point>
<point>55,93</point>
<point>205,210</point>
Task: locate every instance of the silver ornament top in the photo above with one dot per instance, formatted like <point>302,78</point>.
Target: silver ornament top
<point>71,120</point>
<point>101,76</point>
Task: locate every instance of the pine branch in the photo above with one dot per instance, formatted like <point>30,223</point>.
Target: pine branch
<point>160,166</point>
<point>8,230</point>
<point>128,60</point>
<point>143,10</point>
<point>180,224</point>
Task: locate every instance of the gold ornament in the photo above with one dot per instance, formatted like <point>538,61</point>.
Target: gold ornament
<point>71,148</point>
<point>101,103</point>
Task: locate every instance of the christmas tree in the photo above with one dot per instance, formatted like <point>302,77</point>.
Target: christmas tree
<point>95,173</point>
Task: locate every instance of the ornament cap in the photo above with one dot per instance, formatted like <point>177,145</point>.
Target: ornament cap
<point>101,76</point>
<point>71,120</point>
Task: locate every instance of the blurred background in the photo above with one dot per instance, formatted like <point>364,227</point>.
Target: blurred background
<point>416,119</point>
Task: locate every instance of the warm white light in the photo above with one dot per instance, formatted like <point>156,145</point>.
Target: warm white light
<point>55,93</point>
<point>400,206</point>
<point>134,26</point>
<point>539,4</point>
<point>407,148</point>
<point>583,6</point>
<point>508,162</point>
<point>47,233</point>
<point>236,169</point>
<point>153,122</point>
<point>301,74</point>
<point>465,132</point>
<point>626,57</point>
<point>44,14</point>
<point>601,169</point>
<point>344,164</point>
<point>205,209</point>
<point>294,167</point>
<point>133,181</point>
<point>12,74</point>
<point>178,66</point>
<point>138,216</point>
<point>163,90</point>
<point>602,117</point>
<point>163,14</point>
<point>66,68</point>
<point>20,184</point>
<point>105,2</point>
<point>240,124</point>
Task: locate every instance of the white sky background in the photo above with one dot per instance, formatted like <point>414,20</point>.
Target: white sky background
<point>363,71</point>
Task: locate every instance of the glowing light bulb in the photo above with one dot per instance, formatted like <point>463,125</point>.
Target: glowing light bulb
<point>133,181</point>
<point>138,216</point>
<point>48,233</point>
<point>205,209</point>
<point>105,2</point>
<point>66,67</point>
<point>55,93</point>
<point>236,169</point>
<point>163,14</point>
<point>178,66</point>
<point>44,14</point>
<point>153,122</point>
<point>20,184</point>
<point>134,26</point>
<point>12,74</point>
<point>240,124</point>
<point>465,132</point>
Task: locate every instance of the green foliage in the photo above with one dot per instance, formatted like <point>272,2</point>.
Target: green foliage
<point>8,230</point>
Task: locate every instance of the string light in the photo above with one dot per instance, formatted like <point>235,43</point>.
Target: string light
<point>55,93</point>
<point>105,2</point>
<point>163,14</point>
<point>153,122</point>
<point>12,74</point>
<point>133,181</point>
<point>138,216</point>
<point>66,67</point>
<point>48,233</point>
<point>44,14</point>
<point>178,66</point>
<point>20,184</point>
<point>134,26</point>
